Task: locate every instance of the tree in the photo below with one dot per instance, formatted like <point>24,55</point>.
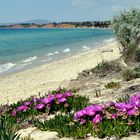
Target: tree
<point>127,29</point>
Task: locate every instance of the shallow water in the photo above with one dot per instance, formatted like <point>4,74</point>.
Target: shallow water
<point>24,48</point>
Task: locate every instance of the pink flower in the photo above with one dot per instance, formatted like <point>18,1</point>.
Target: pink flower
<point>82,121</point>
<point>59,96</point>
<point>51,97</point>
<point>62,100</point>
<point>135,100</point>
<point>22,108</point>
<point>39,106</point>
<point>27,103</point>
<point>35,99</point>
<point>132,112</point>
<point>79,114</point>
<point>14,112</point>
<point>90,111</point>
<point>45,100</point>
<point>67,94</point>
<point>114,116</point>
<point>97,119</point>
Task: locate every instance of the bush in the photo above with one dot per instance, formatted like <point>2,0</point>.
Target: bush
<point>113,85</point>
<point>106,67</point>
<point>127,30</point>
<point>129,74</point>
<point>137,55</point>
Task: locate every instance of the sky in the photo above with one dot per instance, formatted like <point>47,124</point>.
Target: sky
<point>62,10</point>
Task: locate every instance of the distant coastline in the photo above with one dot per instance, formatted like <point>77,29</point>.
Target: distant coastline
<point>86,24</point>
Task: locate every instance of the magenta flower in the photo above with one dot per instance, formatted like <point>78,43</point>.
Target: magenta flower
<point>79,114</point>
<point>46,100</point>
<point>35,99</point>
<point>82,121</point>
<point>59,96</point>
<point>27,103</point>
<point>22,108</point>
<point>90,111</point>
<point>128,106</point>
<point>51,97</point>
<point>67,94</point>
<point>14,112</point>
<point>121,106</point>
<point>114,116</point>
<point>75,118</point>
<point>40,106</point>
<point>97,119</point>
<point>97,108</point>
<point>132,112</point>
<point>62,100</point>
<point>135,101</point>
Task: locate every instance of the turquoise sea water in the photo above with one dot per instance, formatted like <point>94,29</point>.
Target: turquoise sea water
<point>24,48</point>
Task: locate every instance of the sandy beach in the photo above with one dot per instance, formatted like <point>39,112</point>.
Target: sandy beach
<point>50,76</point>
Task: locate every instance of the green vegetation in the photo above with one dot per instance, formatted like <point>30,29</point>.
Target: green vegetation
<point>125,99</point>
<point>113,85</point>
<point>65,126</point>
<point>130,74</point>
<point>106,67</point>
<point>119,123</point>
<point>127,30</point>
<point>77,117</point>
<point>137,55</point>
<point>8,128</point>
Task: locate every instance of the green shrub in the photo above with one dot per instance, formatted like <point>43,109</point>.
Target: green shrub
<point>131,74</point>
<point>106,67</point>
<point>65,126</point>
<point>8,128</point>
<point>127,30</point>
<point>113,85</point>
<point>137,55</point>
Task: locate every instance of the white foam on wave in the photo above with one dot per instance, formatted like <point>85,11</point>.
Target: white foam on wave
<point>109,40</point>
<point>50,54</point>
<point>56,52</point>
<point>30,59</point>
<point>6,67</point>
<point>66,50</point>
<point>85,48</point>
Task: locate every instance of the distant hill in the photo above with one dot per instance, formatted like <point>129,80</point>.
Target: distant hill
<point>38,21</point>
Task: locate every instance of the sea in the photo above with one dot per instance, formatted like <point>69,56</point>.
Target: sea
<point>22,49</point>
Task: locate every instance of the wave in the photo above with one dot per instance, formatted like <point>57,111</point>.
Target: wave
<point>56,52</point>
<point>66,50</point>
<point>50,54</point>
<point>29,59</point>
<point>6,67</point>
<point>109,40</point>
<point>85,48</point>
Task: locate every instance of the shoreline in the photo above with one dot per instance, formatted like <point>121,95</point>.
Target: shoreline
<point>50,76</point>
<point>36,61</point>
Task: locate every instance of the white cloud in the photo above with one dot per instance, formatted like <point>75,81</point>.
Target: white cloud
<point>83,3</point>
